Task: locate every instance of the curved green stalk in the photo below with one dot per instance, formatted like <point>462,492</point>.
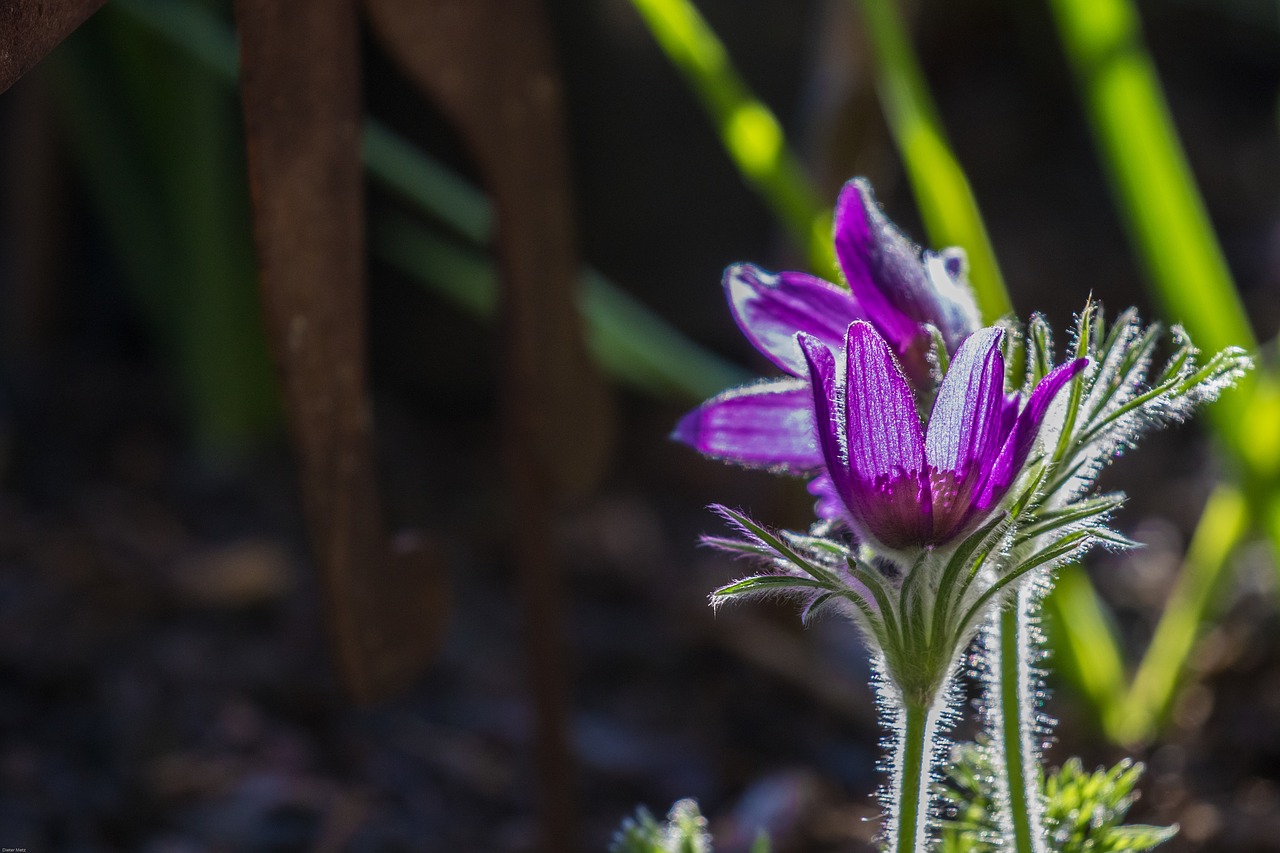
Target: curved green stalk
<point>942,191</point>
<point>913,760</point>
<point>748,129</point>
<point>951,216</point>
<point>1157,196</point>
<point>1015,692</point>
<point>1148,171</point>
<point>1162,208</point>
<point>1085,647</point>
<point>1223,525</point>
<point>1170,229</point>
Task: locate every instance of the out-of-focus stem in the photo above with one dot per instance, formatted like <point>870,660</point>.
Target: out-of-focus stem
<point>1162,208</point>
<point>1222,527</point>
<point>749,130</point>
<point>941,189</point>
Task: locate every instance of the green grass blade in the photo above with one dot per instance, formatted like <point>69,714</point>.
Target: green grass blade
<point>1165,216</point>
<point>463,275</point>
<point>195,27</point>
<point>748,129</point>
<point>1222,527</point>
<point>160,153</point>
<point>630,341</point>
<point>390,158</point>
<point>635,345</point>
<point>1148,170</point>
<point>1160,204</point>
<point>946,202</point>
<point>397,164</point>
<point>1086,649</point>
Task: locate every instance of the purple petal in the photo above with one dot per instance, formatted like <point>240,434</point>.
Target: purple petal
<point>770,309</point>
<point>965,434</point>
<point>822,380</point>
<point>888,489</point>
<point>829,506</point>
<point>954,309</point>
<point>1022,437</point>
<point>768,425</point>
<point>881,265</point>
<point>1009,414</point>
<point>899,289</point>
<point>955,263</point>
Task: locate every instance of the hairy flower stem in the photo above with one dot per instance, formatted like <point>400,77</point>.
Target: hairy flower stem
<point>913,762</point>
<point>1011,706</point>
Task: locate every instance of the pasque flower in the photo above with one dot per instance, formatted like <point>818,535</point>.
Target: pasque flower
<point>892,285</point>
<point>903,486</point>
<point>953,515</point>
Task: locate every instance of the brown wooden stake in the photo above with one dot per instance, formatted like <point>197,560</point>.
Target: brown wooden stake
<point>300,85</point>
<point>29,29</point>
<point>488,64</point>
<point>33,216</point>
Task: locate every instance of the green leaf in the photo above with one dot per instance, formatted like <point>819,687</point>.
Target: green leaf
<point>1073,513</point>
<point>1139,836</point>
<point>1223,525</point>
<point>1084,812</point>
<point>684,831</point>
<point>766,583</point>
<point>638,834</point>
<point>750,132</point>
<point>779,547</point>
<point>942,191</point>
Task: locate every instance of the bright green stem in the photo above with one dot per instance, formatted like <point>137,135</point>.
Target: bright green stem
<point>913,766</point>
<point>1223,525</point>
<point>748,129</point>
<point>941,189</point>
<point>1162,208</point>
<point>1085,646</point>
<point>1016,688</point>
<point>951,215</point>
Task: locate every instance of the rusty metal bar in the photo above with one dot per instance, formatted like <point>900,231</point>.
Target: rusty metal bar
<point>488,64</point>
<point>300,85</point>
<point>29,29</point>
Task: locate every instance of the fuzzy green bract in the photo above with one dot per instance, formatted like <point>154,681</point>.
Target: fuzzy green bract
<point>1083,813</point>
<point>920,606</point>
<point>683,831</point>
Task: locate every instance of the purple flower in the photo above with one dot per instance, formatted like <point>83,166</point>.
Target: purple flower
<point>891,285</point>
<point>900,289</point>
<point>903,486</point>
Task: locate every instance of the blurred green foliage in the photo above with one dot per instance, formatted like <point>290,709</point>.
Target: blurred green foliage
<point>749,130</point>
<point>155,136</point>
<point>1083,812</point>
<point>683,831</point>
<point>209,319</point>
<point>1172,236</point>
<point>942,191</point>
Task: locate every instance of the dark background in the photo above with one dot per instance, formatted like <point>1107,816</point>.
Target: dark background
<point>164,677</point>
